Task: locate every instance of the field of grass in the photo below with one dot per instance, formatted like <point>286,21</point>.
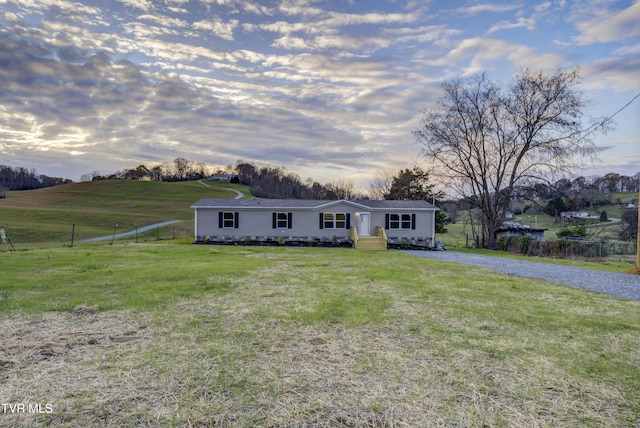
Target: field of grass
<point>45,216</point>
<point>172,334</point>
<point>165,333</point>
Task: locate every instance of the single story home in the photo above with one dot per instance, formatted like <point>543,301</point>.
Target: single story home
<point>366,224</point>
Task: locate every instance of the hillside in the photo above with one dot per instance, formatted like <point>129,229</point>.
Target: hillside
<point>46,216</point>
<point>456,235</point>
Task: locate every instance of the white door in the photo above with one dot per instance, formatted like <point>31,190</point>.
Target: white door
<point>363,224</point>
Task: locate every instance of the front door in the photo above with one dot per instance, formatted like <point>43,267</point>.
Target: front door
<point>364,224</point>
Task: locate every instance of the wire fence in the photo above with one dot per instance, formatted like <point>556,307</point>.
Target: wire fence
<point>563,248</point>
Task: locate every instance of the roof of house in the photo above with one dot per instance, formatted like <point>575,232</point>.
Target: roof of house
<point>312,204</point>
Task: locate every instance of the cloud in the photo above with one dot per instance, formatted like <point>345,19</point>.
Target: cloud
<point>325,31</point>
<point>235,6</point>
<point>486,8</point>
<point>218,27</point>
<point>300,8</point>
<point>543,6</point>
<point>98,109</point>
<point>617,74</point>
<point>145,5</point>
<point>328,88</point>
<point>481,54</point>
<point>610,26</point>
<point>165,21</point>
<point>528,23</point>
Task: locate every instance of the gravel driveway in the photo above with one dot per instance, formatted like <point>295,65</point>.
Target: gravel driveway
<point>612,283</point>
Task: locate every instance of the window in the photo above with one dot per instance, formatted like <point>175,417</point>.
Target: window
<point>228,220</point>
<point>282,220</point>
<point>401,221</point>
<point>335,221</point>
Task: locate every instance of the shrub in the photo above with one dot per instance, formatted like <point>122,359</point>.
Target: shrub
<point>523,244</point>
<point>502,243</point>
<point>579,231</point>
<point>630,225</point>
<point>517,244</point>
<point>555,206</point>
<point>559,248</point>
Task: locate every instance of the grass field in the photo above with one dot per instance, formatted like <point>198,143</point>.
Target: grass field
<point>171,334</point>
<point>45,216</point>
<point>165,333</point>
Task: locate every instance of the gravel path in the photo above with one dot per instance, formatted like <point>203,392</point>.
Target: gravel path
<point>132,232</point>
<point>612,283</point>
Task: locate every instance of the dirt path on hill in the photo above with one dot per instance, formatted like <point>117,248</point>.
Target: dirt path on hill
<point>239,193</point>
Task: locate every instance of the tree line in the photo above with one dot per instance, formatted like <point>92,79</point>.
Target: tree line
<point>277,183</point>
<point>265,182</point>
<point>181,169</point>
<point>20,178</point>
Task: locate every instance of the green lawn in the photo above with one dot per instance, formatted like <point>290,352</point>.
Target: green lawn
<point>46,216</point>
<point>172,334</point>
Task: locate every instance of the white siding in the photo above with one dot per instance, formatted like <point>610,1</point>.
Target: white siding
<point>305,223</point>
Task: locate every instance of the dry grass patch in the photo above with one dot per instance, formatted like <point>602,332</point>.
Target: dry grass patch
<point>290,344</point>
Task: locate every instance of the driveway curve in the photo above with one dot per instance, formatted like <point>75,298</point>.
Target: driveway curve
<point>612,283</point>
<point>132,232</point>
<point>237,192</point>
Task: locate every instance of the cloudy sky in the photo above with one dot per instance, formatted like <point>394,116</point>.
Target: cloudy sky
<point>330,89</point>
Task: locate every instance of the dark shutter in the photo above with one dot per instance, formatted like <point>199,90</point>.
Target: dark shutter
<point>274,221</point>
<point>386,221</point>
<point>321,221</point>
<point>413,221</point>
<point>237,223</point>
<point>290,218</point>
<point>220,216</point>
<point>348,221</point>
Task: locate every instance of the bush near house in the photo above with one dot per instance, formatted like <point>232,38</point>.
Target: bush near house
<point>560,248</point>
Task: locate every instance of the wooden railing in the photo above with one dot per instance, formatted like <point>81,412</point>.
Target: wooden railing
<point>381,233</point>
<point>353,235</point>
<point>377,242</point>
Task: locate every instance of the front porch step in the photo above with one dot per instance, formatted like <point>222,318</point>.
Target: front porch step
<point>371,243</point>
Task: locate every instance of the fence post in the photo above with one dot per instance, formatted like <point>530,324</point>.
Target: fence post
<point>73,232</point>
<point>115,229</point>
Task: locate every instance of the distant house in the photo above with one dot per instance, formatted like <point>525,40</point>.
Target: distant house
<point>223,177</point>
<point>364,224</point>
<point>577,215</point>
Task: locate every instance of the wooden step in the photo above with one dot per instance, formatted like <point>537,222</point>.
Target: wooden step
<point>371,243</point>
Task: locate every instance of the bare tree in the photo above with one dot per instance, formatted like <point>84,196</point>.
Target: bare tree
<point>343,189</point>
<point>183,167</point>
<point>484,140</point>
<point>381,185</point>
